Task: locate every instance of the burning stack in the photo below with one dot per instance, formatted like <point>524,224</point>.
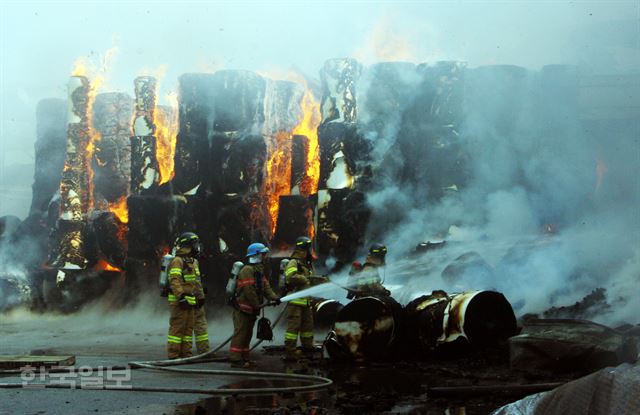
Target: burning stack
<point>152,211</point>
<point>112,178</point>
<point>233,158</point>
<point>286,181</point>
<point>220,158</point>
<point>75,186</point>
<point>144,167</point>
<point>342,214</point>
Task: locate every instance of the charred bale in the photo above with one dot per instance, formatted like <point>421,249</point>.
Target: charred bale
<point>339,79</point>
<point>344,154</point>
<point>299,150</point>
<point>386,92</point>
<point>152,224</point>
<point>236,224</point>
<point>591,306</point>
<point>75,186</point>
<point>428,153</point>
<point>368,328</point>
<point>145,174</point>
<point>51,133</point>
<point>325,313</point>
<point>343,216</point>
<point>224,102</point>
<point>294,216</point>
<point>106,231</point>
<point>112,114</point>
<point>452,324</point>
<point>237,163</point>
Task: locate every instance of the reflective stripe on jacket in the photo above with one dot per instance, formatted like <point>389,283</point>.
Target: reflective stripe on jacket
<point>249,295</point>
<point>297,275</point>
<point>184,278</point>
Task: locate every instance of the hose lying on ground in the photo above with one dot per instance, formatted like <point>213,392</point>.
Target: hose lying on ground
<point>319,382</point>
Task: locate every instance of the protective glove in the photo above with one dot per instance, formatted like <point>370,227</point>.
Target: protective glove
<point>183,303</point>
<point>205,290</point>
<point>200,303</point>
<point>276,302</point>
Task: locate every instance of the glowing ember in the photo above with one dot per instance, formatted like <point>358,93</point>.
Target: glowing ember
<point>105,266</point>
<point>166,131</point>
<point>278,174</point>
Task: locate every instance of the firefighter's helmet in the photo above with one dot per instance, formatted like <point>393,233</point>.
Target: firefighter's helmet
<point>256,248</point>
<point>188,243</point>
<point>303,243</point>
<point>378,250</point>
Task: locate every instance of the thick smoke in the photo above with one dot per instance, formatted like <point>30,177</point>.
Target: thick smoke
<point>549,204</point>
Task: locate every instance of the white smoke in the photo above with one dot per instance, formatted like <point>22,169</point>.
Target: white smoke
<point>546,171</point>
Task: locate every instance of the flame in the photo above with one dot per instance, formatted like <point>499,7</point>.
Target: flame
<point>120,209</point>
<point>105,266</point>
<point>311,230</point>
<point>166,125</point>
<point>84,67</point>
<point>278,177</point>
<point>278,163</point>
<point>308,126</point>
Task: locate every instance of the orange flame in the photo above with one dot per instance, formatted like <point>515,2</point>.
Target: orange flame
<point>308,127</point>
<point>278,177</point>
<point>120,209</point>
<point>278,164</point>
<point>83,67</point>
<point>105,266</point>
<point>166,125</point>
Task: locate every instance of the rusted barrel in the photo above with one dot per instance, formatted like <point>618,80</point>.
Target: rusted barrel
<point>368,328</point>
<point>325,313</point>
<point>478,318</point>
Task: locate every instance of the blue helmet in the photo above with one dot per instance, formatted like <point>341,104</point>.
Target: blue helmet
<point>256,248</point>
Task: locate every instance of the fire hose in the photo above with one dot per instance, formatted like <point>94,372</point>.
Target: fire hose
<point>317,382</point>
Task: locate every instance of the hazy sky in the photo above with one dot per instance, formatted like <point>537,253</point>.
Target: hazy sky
<point>41,40</point>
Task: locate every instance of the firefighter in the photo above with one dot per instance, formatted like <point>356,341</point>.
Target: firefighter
<point>298,274</point>
<point>251,289</point>
<point>367,280</point>
<point>184,296</point>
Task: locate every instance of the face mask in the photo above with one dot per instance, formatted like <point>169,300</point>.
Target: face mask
<point>256,259</point>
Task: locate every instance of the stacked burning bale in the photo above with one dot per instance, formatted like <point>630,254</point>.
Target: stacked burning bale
<point>287,202</point>
<point>75,186</point>
<point>112,175</point>
<point>152,210</point>
<point>233,158</point>
<point>219,162</point>
<point>342,214</point>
